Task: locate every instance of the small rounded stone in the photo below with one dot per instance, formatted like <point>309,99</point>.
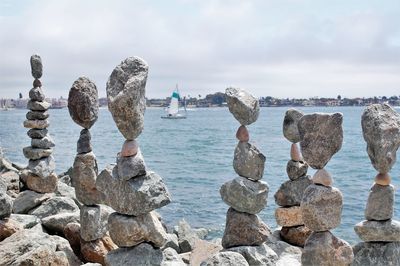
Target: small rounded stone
<point>295,153</point>
<point>242,134</point>
<point>322,177</point>
<point>37,83</point>
<point>129,148</point>
<point>383,179</point>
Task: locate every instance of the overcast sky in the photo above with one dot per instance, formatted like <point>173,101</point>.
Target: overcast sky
<point>281,48</point>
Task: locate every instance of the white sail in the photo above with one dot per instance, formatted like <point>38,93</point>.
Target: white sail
<point>174,105</point>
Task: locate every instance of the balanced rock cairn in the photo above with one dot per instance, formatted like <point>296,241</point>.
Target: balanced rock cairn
<point>321,136</point>
<point>130,189</point>
<point>380,233</point>
<point>246,194</point>
<point>83,106</point>
<point>40,174</point>
<point>291,192</point>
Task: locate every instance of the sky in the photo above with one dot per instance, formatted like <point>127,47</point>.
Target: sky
<point>279,48</point>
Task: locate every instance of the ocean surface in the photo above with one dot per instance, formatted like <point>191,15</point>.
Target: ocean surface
<point>194,156</point>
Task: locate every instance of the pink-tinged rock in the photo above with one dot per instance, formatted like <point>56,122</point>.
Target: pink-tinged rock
<point>289,216</point>
<point>383,179</point>
<point>242,134</point>
<point>296,235</point>
<point>322,177</point>
<point>8,227</point>
<point>39,184</point>
<point>130,148</point>
<point>295,153</point>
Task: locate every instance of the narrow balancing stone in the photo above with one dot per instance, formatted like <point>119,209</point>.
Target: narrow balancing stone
<point>129,187</point>
<point>40,175</point>
<point>321,136</point>
<point>380,232</point>
<point>289,195</point>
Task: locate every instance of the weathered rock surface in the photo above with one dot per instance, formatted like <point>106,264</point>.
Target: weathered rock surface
<point>57,222</point>
<point>290,122</point>
<point>228,258</point>
<point>321,207</point>
<point>36,94</point>
<point>244,107</point>
<point>36,124</point>
<point>37,133</point>
<point>296,235</point>
<point>248,161</point>
<point>5,204</point>
<point>202,251</point>
<point>291,192</point>
<point>242,134</point>
<point>245,195</point>
<point>129,167</point>
<point>126,96</point>
<point>322,177</point>
<point>36,66</point>
<point>39,184</point>
<point>38,106</point>
<point>94,221</point>
<point>43,143</point>
<point>295,153</point>
<point>27,200</point>
<point>83,102</point>
<point>383,231</point>
<point>187,237</point>
<point>172,258</point>
<point>129,231</point>
<point>96,251</point>
<point>321,137</point>
<point>42,167</point>
<point>376,254</point>
<point>324,249</point>
<point>54,206</point>
<point>35,153</point>
<point>136,196</point>
<point>289,216</point>
<point>172,242</point>
<point>129,148</point>
<point>296,169</point>
<point>84,145</point>
<point>11,180</point>
<point>37,83</point>
<point>244,229</point>
<point>8,227</point>
<point>143,254</point>
<point>383,179</point>
<point>380,203</point>
<point>257,255</point>
<point>26,220</point>
<point>381,131</point>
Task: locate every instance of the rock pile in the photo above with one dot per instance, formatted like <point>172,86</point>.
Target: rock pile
<point>246,194</point>
<point>290,193</point>
<point>321,136</point>
<point>40,174</point>
<point>129,187</point>
<point>380,233</point>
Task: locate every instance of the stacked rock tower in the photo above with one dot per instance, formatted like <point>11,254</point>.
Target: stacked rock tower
<point>291,192</point>
<point>380,233</point>
<point>246,195</point>
<point>40,174</point>
<point>83,106</point>
<point>321,137</point>
<point>129,188</point>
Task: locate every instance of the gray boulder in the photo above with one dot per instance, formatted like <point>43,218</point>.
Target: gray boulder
<point>187,237</point>
<point>129,167</point>
<point>126,96</point>
<point>36,94</point>
<point>290,125</point>
<point>39,184</point>
<point>43,143</point>
<point>26,220</point>
<point>321,137</point>
<point>143,254</point>
<point>171,258</point>
<point>57,222</point>
<point>257,255</point>
<point>136,196</point>
<point>37,115</point>
<point>248,161</point>
<point>378,231</point>
<point>94,221</point>
<point>36,66</point>
<point>27,200</point>
<point>226,258</point>
<point>296,169</point>
<point>381,131</point>
<point>54,206</point>
<point>83,102</point>
<point>245,195</point>
<point>380,203</point>
<point>37,133</point>
<point>36,153</point>
<point>42,167</point>
<point>6,205</point>
<point>244,107</point>
<point>291,192</point>
<point>84,145</point>
<point>38,106</point>
<point>376,254</point>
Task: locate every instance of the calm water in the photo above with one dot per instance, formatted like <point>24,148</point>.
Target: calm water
<point>194,156</point>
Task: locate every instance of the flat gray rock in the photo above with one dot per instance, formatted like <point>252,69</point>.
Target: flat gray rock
<point>321,137</point>
<point>126,96</point>
<point>248,161</point>
<point>376,254</point>
<point>83,144</point>
<point>6,205</point>
<point>57,222</point>
<point>36,94</point>
<point>245,195</point>
<point>38,106</point>
<point>381,131</point>
<point>143,254</point>
<point>44,143</point>
<point>37,133</point>
<point>380,203</point>
<point>26,220</point>
<point>291,192</point>
<point>36,153</point>
<point>42,167</point>
<point>27,200</point>
<point>323,248</point>
<point>290,122</point>
<point>136,196</point>
<point>257,255</point>
<point>228,258</point>
<point>321,207</point>
<point>378,231</point>
<point>187,237</point>
<point>244,107</point>
<point>36,66</point>
<point>129,167</point>
<point>55,205</point>
<point>296,169</point>
<point>83,102</point>
<point>94,221</point>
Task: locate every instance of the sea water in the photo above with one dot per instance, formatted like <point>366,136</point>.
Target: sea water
<point>194,156</point>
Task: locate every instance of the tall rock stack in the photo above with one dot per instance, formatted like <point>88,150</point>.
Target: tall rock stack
<point>40,174</point>
<point>321,137</point>
<point>129,188</point>
<point>246,194</point>
<point>380,233</point>
<point>291,192</point>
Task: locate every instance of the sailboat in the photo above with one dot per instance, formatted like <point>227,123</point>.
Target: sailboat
<point>173,109</point>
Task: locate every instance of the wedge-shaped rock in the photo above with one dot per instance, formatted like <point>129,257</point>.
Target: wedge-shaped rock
<point>376,254</point>
<point>381,131</point>
<point>378,231</point>
<point>290,122</point>
<point>126,96</point>
<point>380,203</point>
<point>136,196</point>
<point>35,153</point>
<point>291,192</point>
<point>245,195</point>
<point>94,221</point>
<point>57,222</point>
<point>321,137</point>
<point>289,216</point>
<point>248,161</point>
<point>323,248</point>
<point>244,106</point>
<point>42,167</point>
<point>131,166</point>
<point>321,207</point>
<point>54,206</point>
<point>243,229</point>
<point>43,143</point>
